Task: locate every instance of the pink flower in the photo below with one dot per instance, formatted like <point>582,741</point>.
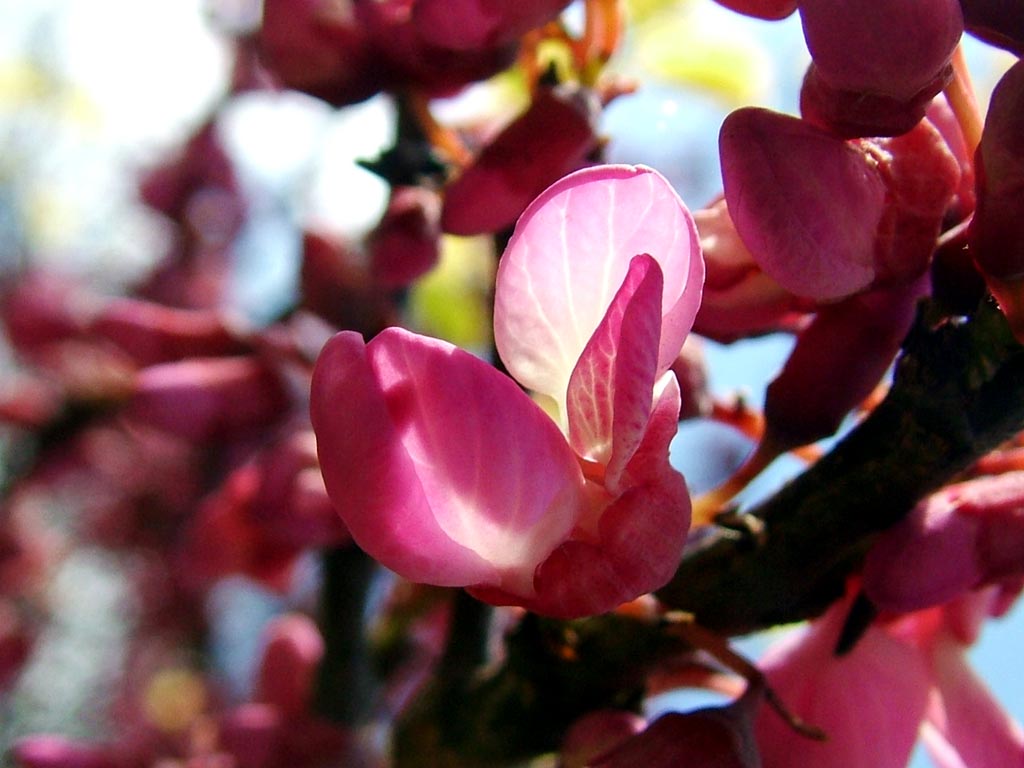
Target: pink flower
<point>827,218</point>
<point>446,472</point>
<point>869,701</point>
<point>959,538</point>
<point>900,680</point>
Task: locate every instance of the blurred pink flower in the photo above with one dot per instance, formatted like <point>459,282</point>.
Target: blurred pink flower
<point>446,472</point>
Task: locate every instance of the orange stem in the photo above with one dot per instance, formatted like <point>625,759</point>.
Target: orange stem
<point>961,98</point>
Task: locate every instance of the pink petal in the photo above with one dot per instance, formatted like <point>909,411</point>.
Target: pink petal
<point>441,467</point>
<point>805,203</point>
<point>897,48</point>
<point>869,702</point>
<point>473,24</point>
<point>966,720</point>
<point>611,389</point>
<point>568,256</point>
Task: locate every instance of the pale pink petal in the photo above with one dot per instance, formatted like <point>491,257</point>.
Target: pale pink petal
<point>869,702</point>
<point>611,389</point>
<point>806,203</point>
<point>568,256</point>
<point>965,717</point>
<point>443,469</point>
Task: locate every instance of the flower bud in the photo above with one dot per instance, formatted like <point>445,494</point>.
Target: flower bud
<point>900,48</point>
<point>51,751</point>
<point>404,245</point>
<point>466,25</point>
<point>761,9</point>
<point>550,139</point>
<point>292,650</point>
<point>208,398</point>
<point>319,47</point>
<point>957,539</point>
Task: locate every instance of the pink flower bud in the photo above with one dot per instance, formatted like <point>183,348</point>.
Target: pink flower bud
<point>42,308</point>
<point>828,218</point>
<point>761,9</point>
<point>51,751</point>
<point>152,333</point>
<point>997,238</point>
<point>404,245</point>
<point>900,49</point>
<point>853,114</point>
<point>336,287</point>
<point>550,139</point>
<point>208,398</point>
<point>714,737</point>
<point>463,25</point>
<point>739,298</point>
<point>402,49</point>
<point>839,358</point>
<point>251,734</point>
<point>805,203</point>
<point>596,733</point>
<point>959,538</point>
<point>320,47</point>
<point>292,650</point>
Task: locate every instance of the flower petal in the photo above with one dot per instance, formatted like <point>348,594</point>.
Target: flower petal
<point>568,256</point>
<point>806,203</point>
<point>966,719</point>
<point>611,389</point>
<point>869,702</point>
<point>443,469</point>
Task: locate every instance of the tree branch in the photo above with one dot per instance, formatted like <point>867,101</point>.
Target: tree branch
<point>958,392</point>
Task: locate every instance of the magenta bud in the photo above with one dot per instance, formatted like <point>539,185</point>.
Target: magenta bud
<point>852,114</point>
<point>551,138</point>
<point>714,737</point>
<point>997,238</point>
<point>336,287</point>
<point>42,308</point>
<point>292,650</point>
<point>153,333</point>
<point>404,245</point>
<point>596,733</point>
<point>839,358</point>
<point>52,751</point>
<point>900,48</point>
<point>467,25</point>
<point>251,734</point>
<point>957,539</point>
<point>402,51</point>
<point>321,48</point>
<point>208,398</point>
<point>805,203</point>
<point>771,10</point>
<point>290,507</point>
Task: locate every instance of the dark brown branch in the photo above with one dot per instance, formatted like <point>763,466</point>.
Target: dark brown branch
<point>958,393</point>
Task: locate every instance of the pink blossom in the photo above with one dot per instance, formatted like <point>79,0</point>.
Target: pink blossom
<point>550,139</point>
<point>959,538</point>
<point>448,473</point>
<point>901,679</point>
<point>762,9</point>
<point>898,48</point>
<point>828,218</point>
<point>869,702</point>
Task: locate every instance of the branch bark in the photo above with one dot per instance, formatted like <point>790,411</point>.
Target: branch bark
<point>958,392</point>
